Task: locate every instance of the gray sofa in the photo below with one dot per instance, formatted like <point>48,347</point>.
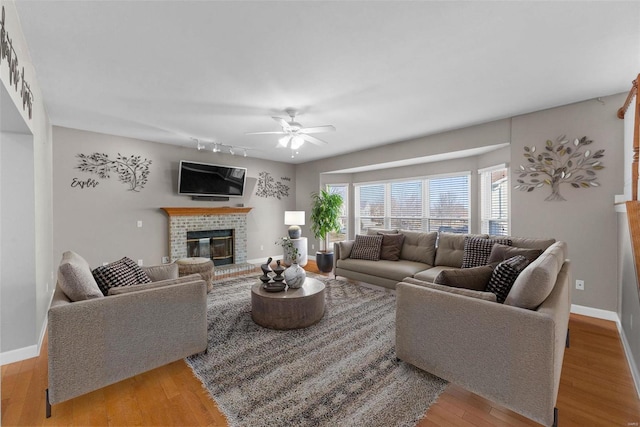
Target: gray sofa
<point>423,256</point>
<point>96,340</point>
<point>509,353</point>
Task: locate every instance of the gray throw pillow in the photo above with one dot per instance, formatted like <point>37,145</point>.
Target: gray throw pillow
<point>477,250</point>
<point>366,247</point>
<point>391,246</point>
<point>476,278</point>
<point>75,279</point>
<point>504,275</point>
<point>501,252</point>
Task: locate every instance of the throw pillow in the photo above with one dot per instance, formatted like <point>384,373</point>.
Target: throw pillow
<point>504,275</point>
<point>119,273</point>
<point>501,252</point>
<point>476,278</point>
<point>477,250</point>
<point>75,279</point>
<point>366,247</point>
<point>391,246</point>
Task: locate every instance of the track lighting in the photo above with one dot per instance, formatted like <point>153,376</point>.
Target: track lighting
<point>217,147</point>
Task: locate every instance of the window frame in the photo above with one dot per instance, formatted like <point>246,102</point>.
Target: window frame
<point>486,216</point>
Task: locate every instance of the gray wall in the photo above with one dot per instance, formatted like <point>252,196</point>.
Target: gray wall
<point>587,220</point>
<point>35,290</point>
<point>100,223</point>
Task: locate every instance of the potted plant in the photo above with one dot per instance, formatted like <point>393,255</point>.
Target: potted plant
<point>325,218</point>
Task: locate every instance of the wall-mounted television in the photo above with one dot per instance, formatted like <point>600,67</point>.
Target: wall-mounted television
<point>204,179</point>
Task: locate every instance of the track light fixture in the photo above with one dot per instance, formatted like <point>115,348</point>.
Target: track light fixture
<point>217,147</point>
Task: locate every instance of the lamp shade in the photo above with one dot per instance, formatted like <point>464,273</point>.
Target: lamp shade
<point>294,217</point>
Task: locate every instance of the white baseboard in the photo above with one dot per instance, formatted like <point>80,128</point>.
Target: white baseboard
<point>18,355</point>
<point>595,312</point>
<point>613,316</point>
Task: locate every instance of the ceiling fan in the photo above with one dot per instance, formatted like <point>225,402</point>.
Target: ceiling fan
<point>294,133</point>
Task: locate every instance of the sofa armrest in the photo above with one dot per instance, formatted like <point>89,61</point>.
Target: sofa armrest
<point>144,286</point>
<point>506,354</point>
<point>101,341</point>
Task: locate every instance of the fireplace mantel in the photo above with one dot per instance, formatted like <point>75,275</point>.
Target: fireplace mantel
<point>225,210</point>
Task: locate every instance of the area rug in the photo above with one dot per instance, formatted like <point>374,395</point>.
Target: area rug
<point>341,371</point>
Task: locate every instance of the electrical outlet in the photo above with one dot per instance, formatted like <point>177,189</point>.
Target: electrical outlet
<point>140,262</point>
<point>165,260</point>
<point>313,246</point>
<point>580,285</point>
<point>262,247</point>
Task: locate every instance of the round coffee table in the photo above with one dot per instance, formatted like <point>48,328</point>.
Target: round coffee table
<point>290,309</point>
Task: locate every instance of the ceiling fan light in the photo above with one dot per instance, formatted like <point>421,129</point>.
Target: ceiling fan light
<point>284,141</point>
<point>296,142</point>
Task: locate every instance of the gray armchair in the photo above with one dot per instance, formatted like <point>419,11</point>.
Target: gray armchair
<point>99,341</point>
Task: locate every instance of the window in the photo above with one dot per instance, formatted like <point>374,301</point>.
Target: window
<point>494,201</point>
<point>426,204</point>
<point>343,190</point>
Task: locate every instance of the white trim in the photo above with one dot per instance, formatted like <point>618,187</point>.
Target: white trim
<point>259,261</point>
<point>595,312</point>
<point>493,168</point>
<point>18,355</point>
<point>635,374</point>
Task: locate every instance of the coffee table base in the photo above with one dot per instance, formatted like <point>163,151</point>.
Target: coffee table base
<point>291,309</point>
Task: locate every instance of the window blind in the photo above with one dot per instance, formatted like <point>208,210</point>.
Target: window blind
<point>449,204</point>
<point>494,201</point>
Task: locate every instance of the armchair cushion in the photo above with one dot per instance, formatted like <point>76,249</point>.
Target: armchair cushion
<point>143,287</point>
<point>161,272</point>
<point>124,272</point>
<point>75,279</point>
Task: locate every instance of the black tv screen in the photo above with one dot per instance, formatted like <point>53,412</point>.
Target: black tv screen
<point>204,179</point>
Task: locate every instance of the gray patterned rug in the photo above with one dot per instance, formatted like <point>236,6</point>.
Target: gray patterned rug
<point>341,371</point>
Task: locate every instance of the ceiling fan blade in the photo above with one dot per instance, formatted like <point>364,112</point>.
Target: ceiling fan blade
<point>267,133</point>
<point>313,140</point>
<point>318,129</point>
<point>281,122</point>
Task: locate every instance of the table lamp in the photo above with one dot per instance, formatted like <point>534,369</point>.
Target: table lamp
<point>294,219</point>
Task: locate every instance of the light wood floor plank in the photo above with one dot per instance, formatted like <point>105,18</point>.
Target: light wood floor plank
<point>596,390</point>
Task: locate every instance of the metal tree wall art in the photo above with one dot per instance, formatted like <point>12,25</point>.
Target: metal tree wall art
<point>131,170</point>
<point>561,161</point>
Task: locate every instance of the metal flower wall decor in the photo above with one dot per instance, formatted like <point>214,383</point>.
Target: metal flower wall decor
<point>560,161</point>
<point>132,170</point>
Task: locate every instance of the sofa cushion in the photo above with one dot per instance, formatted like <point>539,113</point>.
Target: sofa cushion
<point>392,270</point>
<point>477,250</point>
<point>488,296</point>
<point>374,230</point>
<point>157,273</point>
<point>504,275</point>
<point>124,272</point>
<point>476,278</point>
<point>430,274</point>
<point>536,282</point>
<point>366,247</point>
<point>531,243</point>
<point>391,246</point>
<point>345,248</point>
<point>75,278</point>
<point>419,247</point>
<point>501,252</point>
<point>451,248</point>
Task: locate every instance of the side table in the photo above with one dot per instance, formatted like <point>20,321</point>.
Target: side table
<point>301,245</point>
<point>203,266</point>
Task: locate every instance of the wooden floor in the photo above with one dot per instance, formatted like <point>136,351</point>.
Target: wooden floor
<point>596,390</point>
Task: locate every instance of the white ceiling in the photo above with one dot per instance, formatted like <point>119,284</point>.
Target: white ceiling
<point>380,72</point>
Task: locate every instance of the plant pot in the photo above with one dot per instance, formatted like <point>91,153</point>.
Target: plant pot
<point>324,260</point>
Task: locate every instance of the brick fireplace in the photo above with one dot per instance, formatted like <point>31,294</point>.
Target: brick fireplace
<point>195,220</point>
